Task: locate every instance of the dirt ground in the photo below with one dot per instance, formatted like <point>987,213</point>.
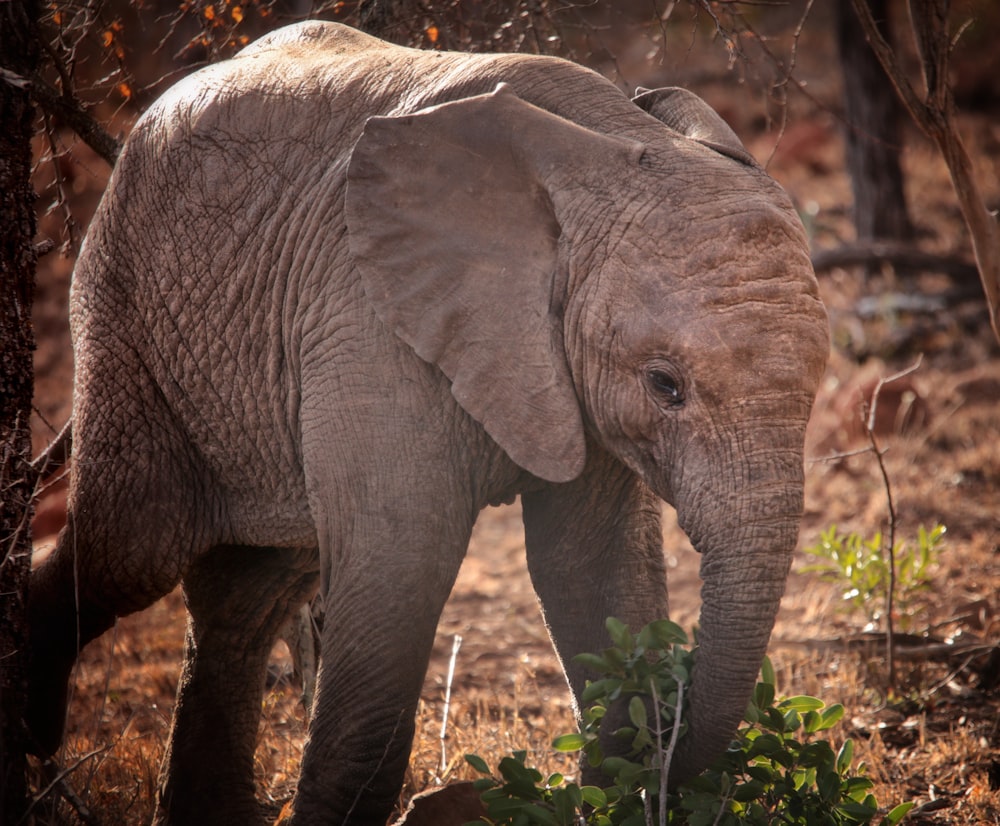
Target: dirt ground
<point>934,739</point>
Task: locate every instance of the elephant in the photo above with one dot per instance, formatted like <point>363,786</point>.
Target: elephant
<point>339,297</point>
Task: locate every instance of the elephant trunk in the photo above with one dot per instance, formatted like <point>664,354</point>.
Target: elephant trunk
<point>746,541</point>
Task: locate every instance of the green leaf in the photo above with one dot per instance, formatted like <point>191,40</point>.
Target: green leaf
<point>536,814</point>
<point>616,657</point>
<point>477,763</point>
<point>661,635</point>
<point>792,721</point>
<point>570,742</point>
<point>767,675</point>
<point>595,662</point>
<point>831,716</point>
<point>748,791</point>
<point>801,703</point>
<point>811,721</point>
<point>766,745</point>
<point>594,796</point>
<point>861,812</point>
<point>763,695</point>
<point>598,689</point>
<point>856,787</point>
<point>845,756</point>
<point>762,773</point>
<point>897,813</point>
<point>623,771</point>
<point>637,712</point>
<point>619,633</point>
<point>681,673</point>
<point>829,786</point>
<point>574,793</point>
<point>565,805</point>
<point>772,719</point>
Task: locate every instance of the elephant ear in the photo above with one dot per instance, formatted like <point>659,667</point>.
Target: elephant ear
<point>688,114</point>
<point>452,227</point>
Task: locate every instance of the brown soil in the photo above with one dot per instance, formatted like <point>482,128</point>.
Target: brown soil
<point>935,738</point>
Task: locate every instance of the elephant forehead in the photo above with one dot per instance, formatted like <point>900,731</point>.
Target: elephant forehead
<point>757,265</point>
<point>698,325</point>
<point>763,322</point>
<point>697,231</point>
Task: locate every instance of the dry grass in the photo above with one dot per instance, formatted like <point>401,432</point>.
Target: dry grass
<point>935,740</point>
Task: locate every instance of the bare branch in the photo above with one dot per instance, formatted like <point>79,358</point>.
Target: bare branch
<point>887,57</point>
<point>929,20</point>
<point>62,201</point>
<point>57,776</point>
<point>70,110</point>
<point>899,255</point>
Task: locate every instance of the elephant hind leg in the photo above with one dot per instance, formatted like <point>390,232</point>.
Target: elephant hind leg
<point>62,619</point>
<point>129,536</point>
<point>96,573</point>
<point>238,599</point>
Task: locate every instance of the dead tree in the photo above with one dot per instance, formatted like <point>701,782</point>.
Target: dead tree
<point>18,57</point>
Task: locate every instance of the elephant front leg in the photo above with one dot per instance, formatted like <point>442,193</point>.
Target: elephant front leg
<point>383,603</point>
<point>595,550</point>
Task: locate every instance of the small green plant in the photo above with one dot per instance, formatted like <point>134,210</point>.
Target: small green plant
<point>862,567</point>
<point>777,770</point>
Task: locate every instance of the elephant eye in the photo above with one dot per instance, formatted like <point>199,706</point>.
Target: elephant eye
<point>665,386</point>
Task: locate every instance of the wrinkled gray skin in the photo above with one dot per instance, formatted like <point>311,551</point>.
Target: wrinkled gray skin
<point>340,296</point>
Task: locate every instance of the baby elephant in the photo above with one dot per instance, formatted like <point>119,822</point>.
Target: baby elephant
<point>339,297</point>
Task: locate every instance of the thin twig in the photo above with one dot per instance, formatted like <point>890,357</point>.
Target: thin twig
<point>647,808</point>
<point>455,645</point>
<point>837,457</point>
<point>57,781</point>
<point>891,548</point>
<point>934,689</point>
<point>889,625</point>
<point>667,757</point>
<point>882,382</point>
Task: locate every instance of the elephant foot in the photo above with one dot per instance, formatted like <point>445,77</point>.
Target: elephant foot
<point>178,804</point>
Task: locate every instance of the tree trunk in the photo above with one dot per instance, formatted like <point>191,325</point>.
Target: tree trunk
<point>935,115</point>
<point>874,114</point>
<point>18,57</point>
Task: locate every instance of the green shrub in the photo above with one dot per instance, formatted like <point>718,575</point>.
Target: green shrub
<point>776,770</point>
<point>861,567</point>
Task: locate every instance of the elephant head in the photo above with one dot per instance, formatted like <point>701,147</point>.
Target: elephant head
<point>646,293</point>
